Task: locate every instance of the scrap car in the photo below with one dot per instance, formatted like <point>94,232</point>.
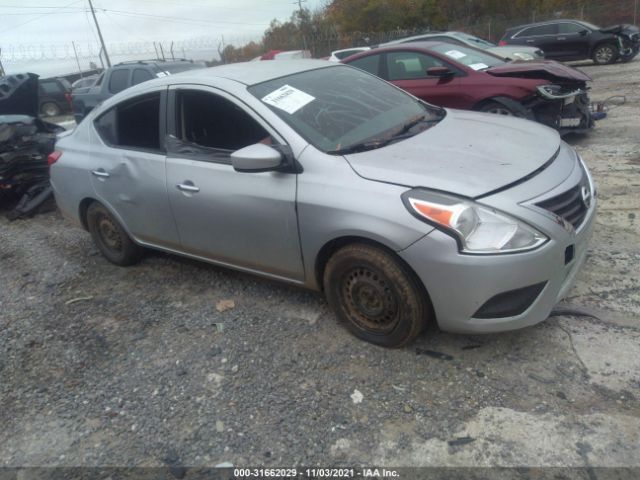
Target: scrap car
<point>326,177</point>
<point>577,40</point>
<point>25,145</point>
<point>471,79</point>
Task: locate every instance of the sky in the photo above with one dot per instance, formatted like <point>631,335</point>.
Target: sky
<point>37,35</point>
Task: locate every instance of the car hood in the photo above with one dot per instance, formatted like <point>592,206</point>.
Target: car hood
<point>544,69</point>
<point>622,28</point>
<point>467,153</point>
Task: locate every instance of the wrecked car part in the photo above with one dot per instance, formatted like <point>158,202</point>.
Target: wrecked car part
<point>553,92</point>
<point>25,143</point>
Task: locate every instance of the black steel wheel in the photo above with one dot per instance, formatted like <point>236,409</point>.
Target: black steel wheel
<point>110,238</point>
<point>50,109</point>
<point>375,295</point>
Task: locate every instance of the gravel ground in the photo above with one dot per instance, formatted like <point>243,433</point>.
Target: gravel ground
<point>101,365</point>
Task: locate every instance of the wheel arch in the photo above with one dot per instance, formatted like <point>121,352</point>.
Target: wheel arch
<point>508,102</point>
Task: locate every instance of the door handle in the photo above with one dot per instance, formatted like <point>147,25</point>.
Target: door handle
<point>562,38</point>
<point>530,41</point>
<point>100,173</point>
<point>186,187</point>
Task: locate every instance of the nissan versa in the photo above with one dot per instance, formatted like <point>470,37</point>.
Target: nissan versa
<point>325,176</point>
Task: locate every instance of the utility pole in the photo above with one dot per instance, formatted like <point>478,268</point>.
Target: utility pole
<point>1,67</point>
<point>104,48</point>
<point>75,52</point>
<point>304,40</point>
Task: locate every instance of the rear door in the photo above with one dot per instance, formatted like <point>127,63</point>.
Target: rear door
<point>247,220</point>
<point>127,167</point>
<point>542,36</point>
<point>408,70</point>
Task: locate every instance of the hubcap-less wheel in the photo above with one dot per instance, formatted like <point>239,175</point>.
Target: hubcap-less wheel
<point>109,233</point>
<point>370,302</point>
<point>604,54</point>
<point>110,237</point>
<point>375,295</point>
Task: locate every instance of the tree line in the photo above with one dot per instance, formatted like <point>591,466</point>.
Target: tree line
<point>346,23</point>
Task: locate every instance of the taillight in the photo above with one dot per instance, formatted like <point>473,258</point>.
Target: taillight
<point>53,157</point>
<point>502,43</point>
<point>67,95</point>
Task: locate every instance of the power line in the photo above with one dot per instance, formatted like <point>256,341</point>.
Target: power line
<point>177,19</point>
<point>38,17</point>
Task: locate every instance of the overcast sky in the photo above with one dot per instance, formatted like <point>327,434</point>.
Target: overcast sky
<point>36,35</point>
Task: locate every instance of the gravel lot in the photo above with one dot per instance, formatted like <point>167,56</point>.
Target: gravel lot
<point>101,365</point>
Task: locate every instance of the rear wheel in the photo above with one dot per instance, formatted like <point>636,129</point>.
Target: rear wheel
<point>375,296</point>
<point>50,109</point>
<point>110,238</point>
<point>605,53</point>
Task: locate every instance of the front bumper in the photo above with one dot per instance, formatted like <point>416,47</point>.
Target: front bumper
<point>567,114</point>
<point>459,285</point>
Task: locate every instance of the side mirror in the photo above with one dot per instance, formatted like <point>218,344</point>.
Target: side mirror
<point>256,158</point>
<point>584,33</point>
<point>442,72</point>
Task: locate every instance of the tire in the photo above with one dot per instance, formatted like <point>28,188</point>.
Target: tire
<point>498,109</point>
<point>110,238</point>
<point>604,54</point>
<point>375,296</point>
<point>50,109</point>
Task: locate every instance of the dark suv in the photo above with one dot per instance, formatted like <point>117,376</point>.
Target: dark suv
<point>124,75</point>
<point>577,40</point>
<point>55,97</point>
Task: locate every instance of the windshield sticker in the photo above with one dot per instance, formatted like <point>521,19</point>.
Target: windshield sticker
<point>288,98</point>
<point>455,54</point>
<point>478,66</point>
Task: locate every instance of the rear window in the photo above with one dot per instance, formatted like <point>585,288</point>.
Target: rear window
<point>51,88</point>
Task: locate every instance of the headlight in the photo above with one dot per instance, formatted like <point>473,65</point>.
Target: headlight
<point>478,229</point>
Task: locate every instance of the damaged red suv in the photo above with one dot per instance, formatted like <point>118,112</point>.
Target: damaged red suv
<point>463,77</point>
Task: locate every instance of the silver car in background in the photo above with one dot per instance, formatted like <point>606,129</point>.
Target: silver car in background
<point>324,176</point>
<point>508,52</point>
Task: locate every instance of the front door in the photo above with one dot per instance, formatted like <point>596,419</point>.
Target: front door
<point>247,220</point>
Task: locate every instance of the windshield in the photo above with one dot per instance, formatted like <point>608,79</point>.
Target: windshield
<point>475,41</point>
<point>338,108</point>
<point>468,56</point>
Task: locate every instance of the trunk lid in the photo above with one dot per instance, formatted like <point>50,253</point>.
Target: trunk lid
<point>467,153</point>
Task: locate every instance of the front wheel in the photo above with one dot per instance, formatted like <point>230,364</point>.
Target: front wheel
<point>605,54</point>
<point>498,109</point>
<point>375,296</point>
<point>110,238</point>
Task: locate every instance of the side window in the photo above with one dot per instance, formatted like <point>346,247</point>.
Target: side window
<point>140,75</point>
<point>548,29</point>
<point>51,88</point>
<point>132,124</point>
<point>410,65</point>
<point>570,28</point>
<point>369,64</point>
<point>211,121</point>
<point>119,80</point>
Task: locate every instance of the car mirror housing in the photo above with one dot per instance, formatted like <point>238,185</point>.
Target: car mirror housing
<point>584,32</point>
<point>256,158</point>
<point>442,72</point>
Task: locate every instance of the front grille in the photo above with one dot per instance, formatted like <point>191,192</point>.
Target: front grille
<point>569,205</point>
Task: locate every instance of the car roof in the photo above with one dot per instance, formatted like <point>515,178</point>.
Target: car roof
<point>424,44</point>
<point>546,22</point>
<point>249,73</point>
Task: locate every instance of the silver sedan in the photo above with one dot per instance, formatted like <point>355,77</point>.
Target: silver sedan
<point>327,177</point>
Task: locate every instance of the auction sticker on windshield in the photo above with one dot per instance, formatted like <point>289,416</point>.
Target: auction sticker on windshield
<point>455,54</point>
<point>288,98</point>
<point>478,66</point>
